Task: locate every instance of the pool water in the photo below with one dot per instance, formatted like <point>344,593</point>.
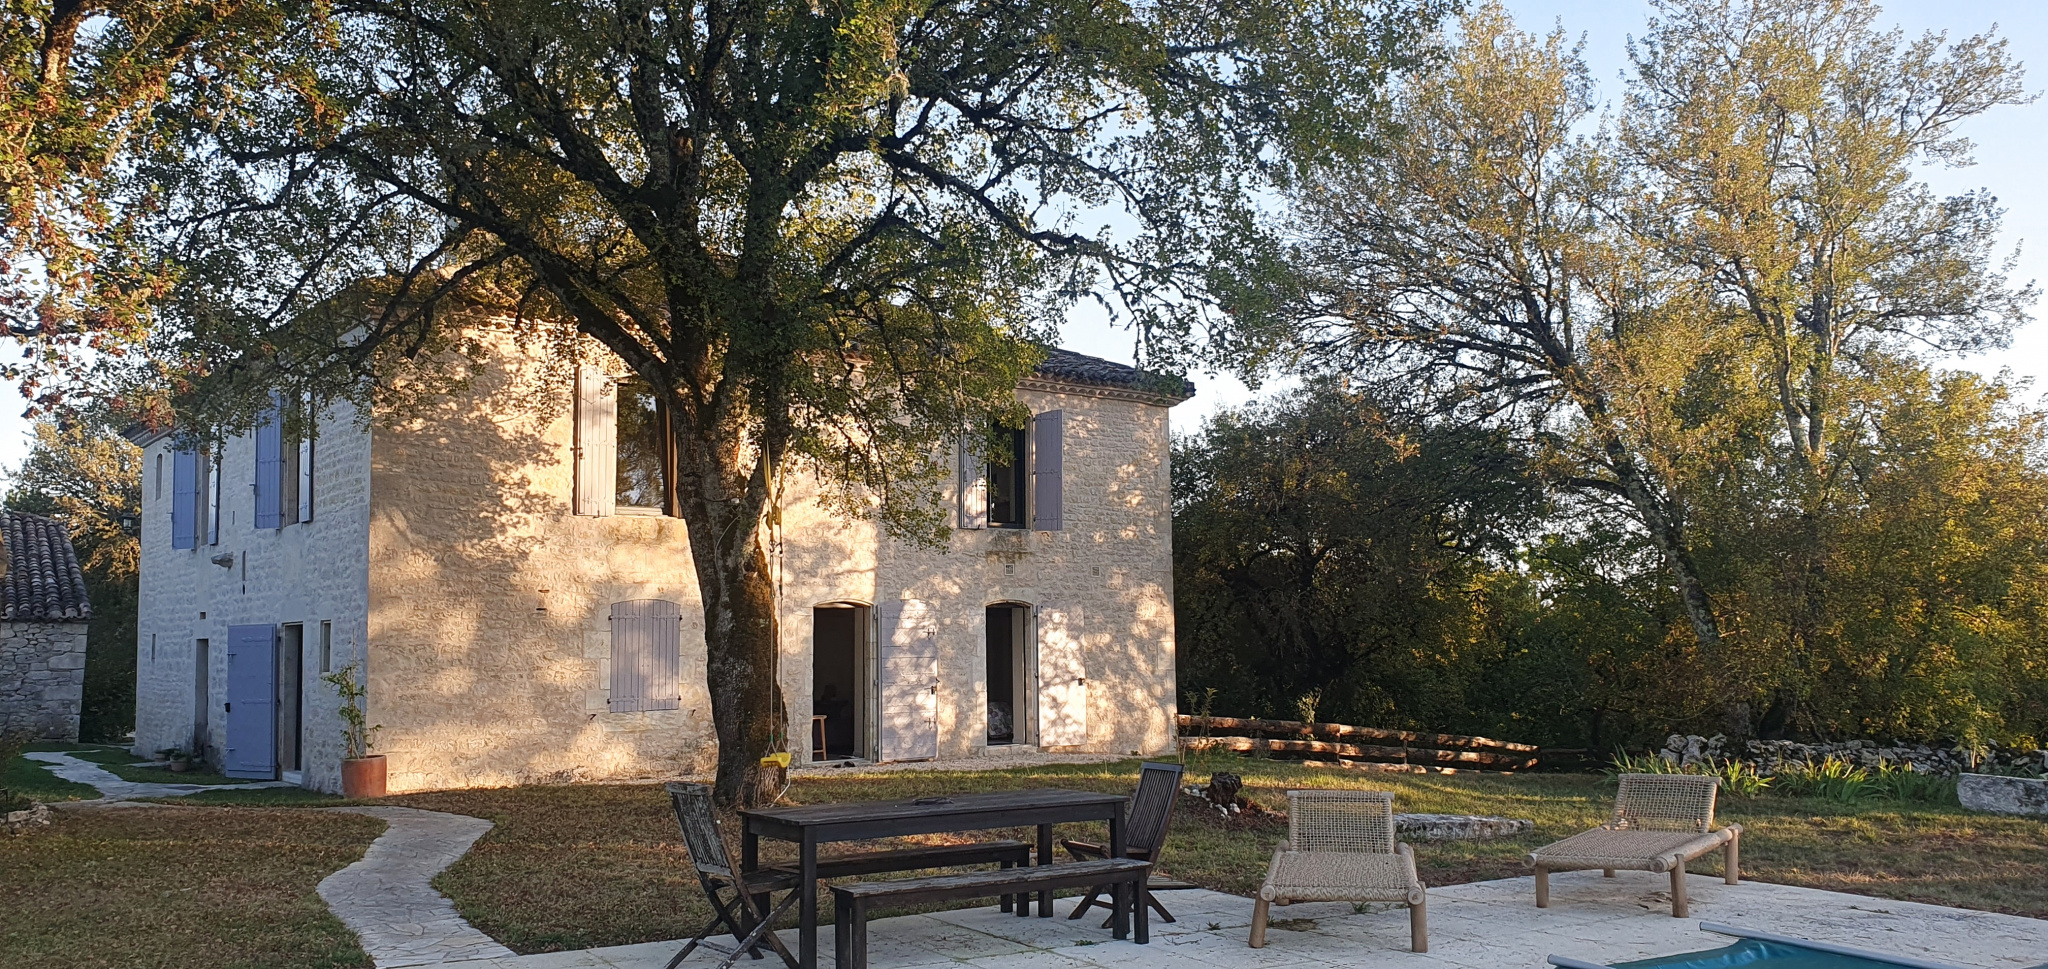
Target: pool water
<point>1759,953</point>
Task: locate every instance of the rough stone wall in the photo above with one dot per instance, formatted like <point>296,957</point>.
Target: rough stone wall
<point>1113,559</point>
<point>42,678</point>
<point>303,573</point>
<point>489,600</point>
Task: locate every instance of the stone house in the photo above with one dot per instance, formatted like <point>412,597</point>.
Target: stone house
<point>43,616</point>
<point>522,610</point>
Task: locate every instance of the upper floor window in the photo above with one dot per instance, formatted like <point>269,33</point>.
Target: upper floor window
<point>284,465</point>
<point>1009,479</point>
<point>643,443</point>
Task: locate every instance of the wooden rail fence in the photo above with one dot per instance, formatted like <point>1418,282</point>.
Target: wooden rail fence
<point>1349,743</point>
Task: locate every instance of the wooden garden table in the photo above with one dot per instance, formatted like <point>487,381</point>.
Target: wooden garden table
<point>813,825</point>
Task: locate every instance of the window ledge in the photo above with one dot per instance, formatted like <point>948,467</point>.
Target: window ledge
<point>642,512</point>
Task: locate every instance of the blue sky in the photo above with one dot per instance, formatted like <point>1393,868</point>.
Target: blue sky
<point>2011,144</point>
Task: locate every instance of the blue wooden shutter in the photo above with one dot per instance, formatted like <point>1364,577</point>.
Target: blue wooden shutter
<point>212,466</point>
<point>647,646</point>
<point>184,499</point>
<point>1048,478</point>
<point>270,471</point>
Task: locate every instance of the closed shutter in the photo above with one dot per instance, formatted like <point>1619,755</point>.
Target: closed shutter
<point>596,453</point>
<point>1062,677</point>
<point>184,499</point>
<point>647,647</point>
<point>971,491</point>
<point>270,471</point>
<point>1048,478</point>
<point>907,680</point>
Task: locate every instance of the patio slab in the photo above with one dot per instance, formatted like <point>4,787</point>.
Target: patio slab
<point>1483,925</point>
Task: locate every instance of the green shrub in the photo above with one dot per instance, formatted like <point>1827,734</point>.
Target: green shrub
<point>1903,783</point>
<point>1737,778</point>
<point>1832,779</point>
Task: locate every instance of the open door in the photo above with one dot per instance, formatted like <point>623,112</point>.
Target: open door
<point>1062,677</point>
<point>907,681</point>
<point>251,748</point>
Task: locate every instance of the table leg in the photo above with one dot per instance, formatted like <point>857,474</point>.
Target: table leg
<point>750,861</point>
<point>807,907</point>
<point>1122,893</point>
<point>1045,858</point>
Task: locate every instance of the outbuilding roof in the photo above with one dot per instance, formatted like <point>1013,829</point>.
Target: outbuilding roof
<point>1080,368</point>
<point>43,581</point>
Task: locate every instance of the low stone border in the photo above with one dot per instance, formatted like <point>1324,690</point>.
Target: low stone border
<point>2003,795</point>
<point>36,814</point>
<point>1459,827</point>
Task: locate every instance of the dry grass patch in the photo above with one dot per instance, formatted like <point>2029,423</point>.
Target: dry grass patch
<point>169,888</point>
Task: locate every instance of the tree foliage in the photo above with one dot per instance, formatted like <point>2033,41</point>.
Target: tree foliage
<point>1698,317</point>
<point>82,473</point>
<point>826,235</point>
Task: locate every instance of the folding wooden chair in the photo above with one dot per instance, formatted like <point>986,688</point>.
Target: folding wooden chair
<point>1144,836</point>
<point>741,915</point>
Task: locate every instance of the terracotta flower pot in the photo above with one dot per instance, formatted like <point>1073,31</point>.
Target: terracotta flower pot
<point>180,766</point>
<point>363,776</point>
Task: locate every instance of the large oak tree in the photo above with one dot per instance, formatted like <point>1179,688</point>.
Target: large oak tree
<point>825,233</point>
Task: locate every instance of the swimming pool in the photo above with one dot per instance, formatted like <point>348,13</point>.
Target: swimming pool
<point>1763,951</point>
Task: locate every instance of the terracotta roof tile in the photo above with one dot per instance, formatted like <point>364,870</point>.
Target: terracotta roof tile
<point>43,581</point>
<point>1080,368</point>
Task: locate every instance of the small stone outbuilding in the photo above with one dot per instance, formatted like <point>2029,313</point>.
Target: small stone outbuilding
<point>43,616</point>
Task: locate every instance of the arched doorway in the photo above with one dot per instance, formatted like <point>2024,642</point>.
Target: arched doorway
<point>841,678</point>
<point>1008,673</point>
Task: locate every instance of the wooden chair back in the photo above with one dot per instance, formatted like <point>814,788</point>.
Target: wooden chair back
<point>1361,822</point>
<point>1665,802</point>
<point>702,831</point>
<point>1152,807</point>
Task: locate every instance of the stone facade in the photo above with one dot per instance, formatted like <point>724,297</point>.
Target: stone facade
<point>303,574</point>
<point>446,545</point>
<point>42,678</point>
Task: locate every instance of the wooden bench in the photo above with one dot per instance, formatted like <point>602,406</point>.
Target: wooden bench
<point>1009,854</point>
<point>851,902</point>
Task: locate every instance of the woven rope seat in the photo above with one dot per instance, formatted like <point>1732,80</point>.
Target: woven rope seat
<point>1340,848</point>
<point>1661,821</point>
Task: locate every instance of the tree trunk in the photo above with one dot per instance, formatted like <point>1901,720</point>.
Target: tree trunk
<point>740,663</point>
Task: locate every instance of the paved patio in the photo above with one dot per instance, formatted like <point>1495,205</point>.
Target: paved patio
<point>1485,925</point>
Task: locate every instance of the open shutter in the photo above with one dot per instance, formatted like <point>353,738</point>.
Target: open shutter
<point>907,679</point>
<point>596,452</point>
<point>1048,490</point>
<point>305,465</point>
<point>647,647</point>
<point>1062,677</point>
<point>184,499</point>
<point>270,471</point>
<point>972,492</point>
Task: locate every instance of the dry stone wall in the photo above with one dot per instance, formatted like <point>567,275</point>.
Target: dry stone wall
<point>42,678</point>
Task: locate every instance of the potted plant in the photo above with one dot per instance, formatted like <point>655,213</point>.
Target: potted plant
<point>178,760</point>
<point>362,772</point>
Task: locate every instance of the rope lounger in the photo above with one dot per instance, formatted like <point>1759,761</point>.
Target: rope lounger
<point>1661,821</point>
<point>1340,847</point>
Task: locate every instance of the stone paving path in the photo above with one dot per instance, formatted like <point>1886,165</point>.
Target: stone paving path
<point>113,788</point>
<point>388,900</point>
<point>1482,925</point>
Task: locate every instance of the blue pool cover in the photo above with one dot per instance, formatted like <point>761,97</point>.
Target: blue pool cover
<point>1761,954</point>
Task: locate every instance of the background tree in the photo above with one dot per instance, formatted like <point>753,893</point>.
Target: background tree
<point>1328,546</point>
<point>1687,320</point>
<point>824,234</point>
<point>84,474</point>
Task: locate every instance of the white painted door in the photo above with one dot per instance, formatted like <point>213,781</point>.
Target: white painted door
<point>907,681</point>
<point>1062,677</point>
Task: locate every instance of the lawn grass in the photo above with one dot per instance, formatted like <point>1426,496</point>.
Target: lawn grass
<point>122,764</point>
<point>579,866</point>
<point>23,777</point>
<point>171,888</point>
